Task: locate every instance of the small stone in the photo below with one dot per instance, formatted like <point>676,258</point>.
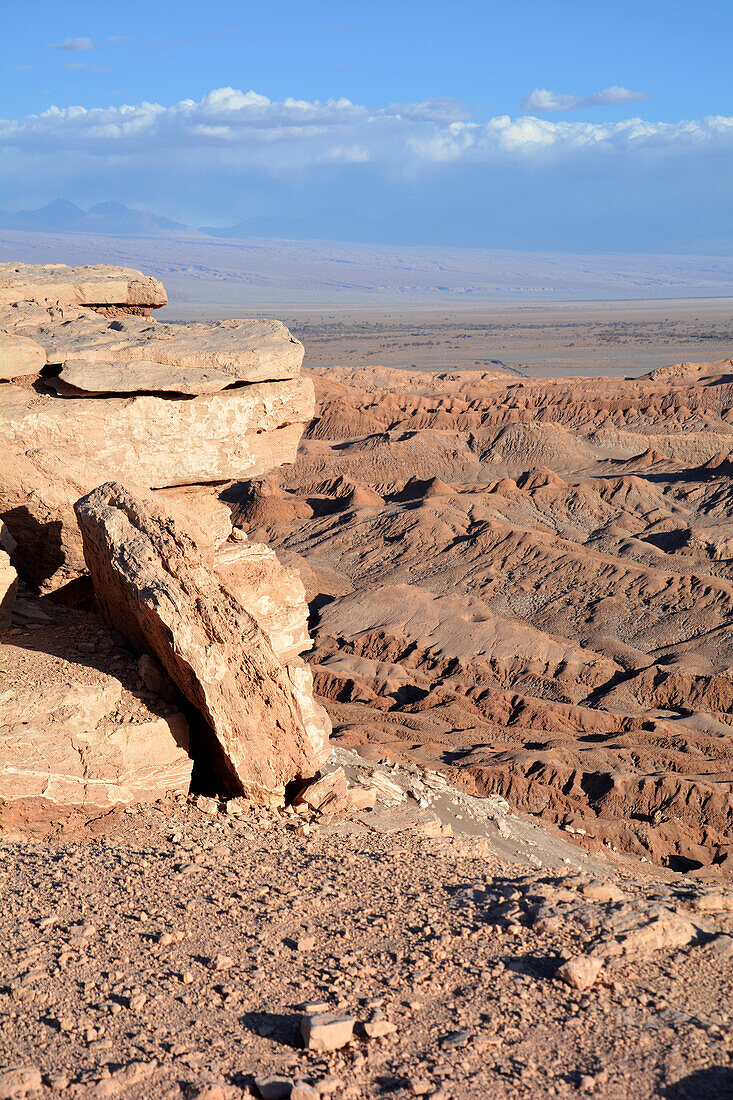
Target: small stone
<point>305,943</point>
<point>456,1039</point>
<point>57,1082</point>
<point>377,1029</point>
<point>221,962</point>
<point>328,1085</point>
<point>580,971</point>
<point>327,1031</point>
<point>17,1081</point>
<point>587,1083</point>
<point>420,1086</point>
<point>208,806</point>
<point>313,1008</point>
<point>274,1088</point>
<point>303,1091</point>
<point>722,946</point>
<point>602,892</point>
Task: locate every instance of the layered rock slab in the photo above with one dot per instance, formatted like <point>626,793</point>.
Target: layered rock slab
<point>158,442</point>
<point>92,285</point>
<point>131,353</point>
<point>153,583</point>
<point>20,357</point>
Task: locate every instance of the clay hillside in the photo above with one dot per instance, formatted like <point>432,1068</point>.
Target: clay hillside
<point>363,732</point>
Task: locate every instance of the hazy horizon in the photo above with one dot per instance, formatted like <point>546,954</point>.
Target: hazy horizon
<point>530,127</point>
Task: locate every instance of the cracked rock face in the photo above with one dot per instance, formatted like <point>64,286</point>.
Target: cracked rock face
<point>154,585</point>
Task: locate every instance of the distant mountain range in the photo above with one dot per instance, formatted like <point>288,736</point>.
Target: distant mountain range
<point>114,219</point>
<point>109,219</point>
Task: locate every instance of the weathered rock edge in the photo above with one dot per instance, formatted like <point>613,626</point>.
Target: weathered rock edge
<point>153,584</point>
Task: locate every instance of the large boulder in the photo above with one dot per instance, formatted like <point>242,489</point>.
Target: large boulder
<point>154,584</point>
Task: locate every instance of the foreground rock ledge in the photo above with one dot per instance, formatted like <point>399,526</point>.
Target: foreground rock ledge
<point>154,585</point>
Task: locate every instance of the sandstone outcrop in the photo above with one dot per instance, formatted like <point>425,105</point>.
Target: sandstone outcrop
<point>92,389</point>
<point>154,585</point>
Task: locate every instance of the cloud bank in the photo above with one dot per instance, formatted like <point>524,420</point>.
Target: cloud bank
<point>542,99</point>
<point>295,134</point>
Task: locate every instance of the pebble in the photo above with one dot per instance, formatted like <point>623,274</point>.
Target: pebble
<point>221,962</point>
<point>303,1091</point>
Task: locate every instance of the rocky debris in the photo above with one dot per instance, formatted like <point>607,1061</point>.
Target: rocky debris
<point>327,1031</point>
<point>93,285</point>
<point>425,946</point>
<point>154,585</point>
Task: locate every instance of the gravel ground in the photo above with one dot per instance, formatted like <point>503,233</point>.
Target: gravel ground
<point>172,954</point>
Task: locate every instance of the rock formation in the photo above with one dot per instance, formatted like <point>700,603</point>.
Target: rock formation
<point>93,390</point>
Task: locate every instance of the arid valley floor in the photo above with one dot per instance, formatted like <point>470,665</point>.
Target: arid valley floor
<point>514,528</point>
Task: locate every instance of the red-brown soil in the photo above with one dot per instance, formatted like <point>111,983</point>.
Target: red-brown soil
<point>529,583</point>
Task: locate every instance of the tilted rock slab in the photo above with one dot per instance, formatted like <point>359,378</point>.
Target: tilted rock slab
<point>154,585</point>
<point>93,285</point>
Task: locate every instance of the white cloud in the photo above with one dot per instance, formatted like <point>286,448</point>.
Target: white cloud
<point>254,132</point>
<point>74,44</point>
<point>542,99</point>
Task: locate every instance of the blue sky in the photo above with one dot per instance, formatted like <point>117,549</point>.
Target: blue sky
<point>546,125</point>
